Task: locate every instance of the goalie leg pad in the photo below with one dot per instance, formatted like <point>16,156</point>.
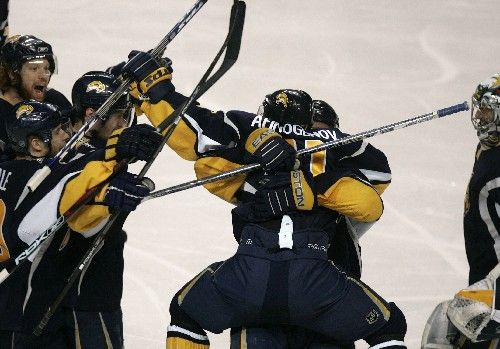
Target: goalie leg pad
<point>439,332</point>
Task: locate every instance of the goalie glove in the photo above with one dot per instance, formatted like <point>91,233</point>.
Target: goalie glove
<point>270,150</point>
<point>283,193</point>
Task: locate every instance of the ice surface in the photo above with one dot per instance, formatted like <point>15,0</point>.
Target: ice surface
<point>376,62</point>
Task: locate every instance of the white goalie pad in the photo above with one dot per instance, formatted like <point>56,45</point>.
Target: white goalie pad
<point>439,332</point>
<point>473,309</point>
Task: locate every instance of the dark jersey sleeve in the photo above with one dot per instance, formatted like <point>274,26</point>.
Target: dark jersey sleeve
<point>4,21</point>
<point>5,118</point>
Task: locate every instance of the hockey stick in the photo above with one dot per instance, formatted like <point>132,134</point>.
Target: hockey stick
<point>12,265</point>
<point>232,43</point>
<point>332,144</point>
<point>100,114</point>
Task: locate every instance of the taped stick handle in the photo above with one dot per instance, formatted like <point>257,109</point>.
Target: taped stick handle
<point>453,109</point>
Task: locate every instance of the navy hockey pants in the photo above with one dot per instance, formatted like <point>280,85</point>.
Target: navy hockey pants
<point>262,285</point>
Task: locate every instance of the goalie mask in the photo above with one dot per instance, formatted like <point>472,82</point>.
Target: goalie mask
<point>288,107</point>
<point>485,112</point>
<point>475,311</point>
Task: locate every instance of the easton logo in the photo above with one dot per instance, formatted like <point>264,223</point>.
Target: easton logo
<point>155,76</point>
<point>298,191</point>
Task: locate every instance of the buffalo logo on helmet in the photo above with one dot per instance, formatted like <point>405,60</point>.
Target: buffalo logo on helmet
<point>23,110</point>
<point>491,84</point>
<point>282,98</point>
<point>96,86</point>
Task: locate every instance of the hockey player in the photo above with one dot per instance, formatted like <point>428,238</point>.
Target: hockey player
<point>4,21</point>
<point>273,269</point>
<point>474,310</point>
<point>38,132</point>
<point>26,66</point>
<point>97,314</point>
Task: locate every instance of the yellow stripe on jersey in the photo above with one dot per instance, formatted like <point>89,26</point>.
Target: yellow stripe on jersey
<point>353,199</point>
<point>94,173</point>
<point>484,296</point>
<point>190,285</point>
<point>182,343</point>
<point>214,165</point>
<point>110,152</point>
<point>183,139</point>
<point>183,142</point>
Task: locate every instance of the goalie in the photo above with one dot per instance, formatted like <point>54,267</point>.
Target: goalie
<point>474,310</point>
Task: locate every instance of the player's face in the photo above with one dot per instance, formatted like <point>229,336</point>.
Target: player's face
<point>483,117</point>
<point>115,121</point>
<point>60,136</point>
<point>35,76</point>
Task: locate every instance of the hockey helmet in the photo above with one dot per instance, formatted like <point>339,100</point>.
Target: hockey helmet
<point>288,106</point>
<point>19,49</point>
<point>34,119</point>
<point>92,89</point>
<point>485,111</point>
<point>323,112</point>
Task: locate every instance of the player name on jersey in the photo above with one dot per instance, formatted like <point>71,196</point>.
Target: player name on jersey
<point>287,129</point>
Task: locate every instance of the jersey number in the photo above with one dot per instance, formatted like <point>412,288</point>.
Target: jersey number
<point>317,165</point>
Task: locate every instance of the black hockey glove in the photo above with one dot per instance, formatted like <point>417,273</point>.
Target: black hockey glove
<point>137,142</point>
<point>270,150</point>
<point>282,193</point>
<point>153,77</point>
<point>125,192</point>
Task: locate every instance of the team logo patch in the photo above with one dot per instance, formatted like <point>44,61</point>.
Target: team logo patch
<point>96,86</point>
<point>24,109</point>
<point>372,317</point>
<point>282,98</point>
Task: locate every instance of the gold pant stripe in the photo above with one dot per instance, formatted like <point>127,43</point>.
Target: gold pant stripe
<point>190,285</point>
<point>385,311</point>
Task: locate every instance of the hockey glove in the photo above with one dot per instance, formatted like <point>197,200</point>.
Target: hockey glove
<point>270,150</point>
<point>283,193</point>
<point>125,192</point>
<point>153,77</point>
<point>137,142</point>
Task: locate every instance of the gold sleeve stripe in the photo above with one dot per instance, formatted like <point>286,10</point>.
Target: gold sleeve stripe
<point>225,189</point>
<point>353,199</point>
<point>94,173</point>
<point>157,112</point>
<point>259,137</point>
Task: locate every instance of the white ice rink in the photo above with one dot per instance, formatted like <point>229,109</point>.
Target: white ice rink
<point>376,62</point>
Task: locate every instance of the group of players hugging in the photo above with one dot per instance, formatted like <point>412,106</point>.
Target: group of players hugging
<point>294,280</point>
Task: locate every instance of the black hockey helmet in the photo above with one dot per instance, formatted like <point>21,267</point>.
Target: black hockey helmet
<point>288,106</point>
<point>324,112</point>
<point>92,89</point>
<point>19,49</point>
<point>33,119</point>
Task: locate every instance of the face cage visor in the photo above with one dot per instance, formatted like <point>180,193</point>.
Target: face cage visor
<point>485,117</point>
